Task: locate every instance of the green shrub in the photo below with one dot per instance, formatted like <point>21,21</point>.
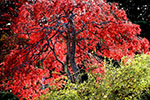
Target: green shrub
<point>129,81</point>
<point>145,95</point>
<point>77,91</point>
<point>125,83</point>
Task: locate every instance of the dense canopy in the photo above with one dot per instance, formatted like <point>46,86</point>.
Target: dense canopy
<point>56,37</point>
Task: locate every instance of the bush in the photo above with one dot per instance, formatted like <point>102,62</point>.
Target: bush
<point>77,91</point>
<point>125,83</point>
<point>129,81</point>
<point>145,95</point>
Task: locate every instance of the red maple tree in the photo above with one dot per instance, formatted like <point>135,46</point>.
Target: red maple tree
<point>61,35</point>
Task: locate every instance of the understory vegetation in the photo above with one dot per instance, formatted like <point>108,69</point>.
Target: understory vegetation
<point>129,82</point>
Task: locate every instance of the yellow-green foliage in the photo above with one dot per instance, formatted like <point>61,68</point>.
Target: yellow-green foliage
<point>125,83</point>
<point>76,91</point>
<point>129,81</point>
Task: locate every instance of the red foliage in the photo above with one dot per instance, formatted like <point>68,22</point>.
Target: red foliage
<point>9,9</point>
<point>62,34</point>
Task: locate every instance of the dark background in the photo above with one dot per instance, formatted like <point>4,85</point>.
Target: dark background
<point>138,11</point>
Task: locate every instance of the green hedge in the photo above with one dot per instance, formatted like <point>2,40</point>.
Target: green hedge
<point>126,83</point>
